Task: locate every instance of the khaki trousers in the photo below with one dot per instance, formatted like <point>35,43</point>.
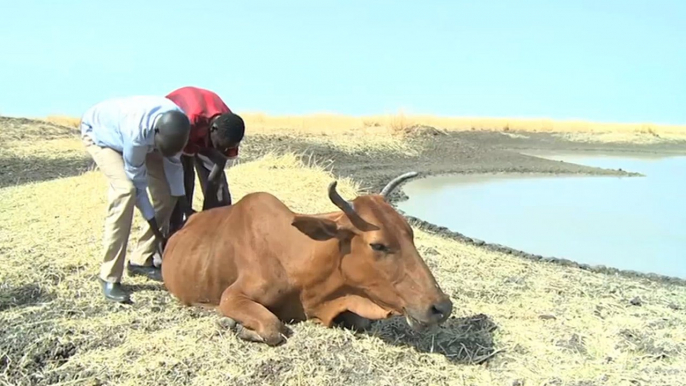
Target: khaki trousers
<point>120,208</point>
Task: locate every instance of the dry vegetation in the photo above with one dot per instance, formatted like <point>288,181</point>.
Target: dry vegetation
<point>399,124</point>
<point>515,320</point>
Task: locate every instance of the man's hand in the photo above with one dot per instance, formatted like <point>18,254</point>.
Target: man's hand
<point>161,240</point>
<point>186,207</point>
<point>218,159</point>
<point>161,245</point>
<point>181,213</point>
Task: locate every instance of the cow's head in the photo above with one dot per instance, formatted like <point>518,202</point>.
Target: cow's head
<point>378,258</point>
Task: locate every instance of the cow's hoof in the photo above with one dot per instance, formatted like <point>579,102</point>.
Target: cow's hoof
<point>270,338</point>
<point>275,339</point>
<point>286,331</point>
<point>276,336</point>
<point>227,323</point>
<point>248,334</point>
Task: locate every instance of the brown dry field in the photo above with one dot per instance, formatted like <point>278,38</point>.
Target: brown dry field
<point>335,124</point>
<point>516,321</point>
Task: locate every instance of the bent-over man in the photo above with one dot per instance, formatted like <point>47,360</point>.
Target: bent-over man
<point>216,134</point>
<point>136,143</point>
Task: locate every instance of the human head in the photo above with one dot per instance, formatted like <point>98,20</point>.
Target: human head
<point>226,132</point>
<point>172,130</point>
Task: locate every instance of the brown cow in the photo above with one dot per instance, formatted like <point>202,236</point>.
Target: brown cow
<point>262,265</point>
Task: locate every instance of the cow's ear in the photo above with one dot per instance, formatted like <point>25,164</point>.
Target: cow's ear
<point>316,228</point>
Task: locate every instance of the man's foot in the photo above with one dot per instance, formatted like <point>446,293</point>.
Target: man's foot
<point>114,292</point>
<point>149,271</point>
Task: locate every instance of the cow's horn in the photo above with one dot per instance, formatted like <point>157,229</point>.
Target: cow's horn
<point>395,182</point>
<point>339,201</point>
<point>347,208</point>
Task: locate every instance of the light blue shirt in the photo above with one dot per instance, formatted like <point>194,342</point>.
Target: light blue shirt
<point>127,126</point>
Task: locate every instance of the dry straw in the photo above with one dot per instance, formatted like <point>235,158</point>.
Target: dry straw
<point>514,319</point>
<point>401,123</point>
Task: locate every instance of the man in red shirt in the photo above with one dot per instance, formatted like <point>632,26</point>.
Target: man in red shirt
<point>216,134</point>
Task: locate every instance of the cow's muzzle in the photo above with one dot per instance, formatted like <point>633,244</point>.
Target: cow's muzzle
<point>436,313</point>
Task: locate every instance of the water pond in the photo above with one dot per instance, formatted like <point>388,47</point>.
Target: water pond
<point>636,223</point>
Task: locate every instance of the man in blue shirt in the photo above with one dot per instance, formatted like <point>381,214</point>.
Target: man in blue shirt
<point>136,143</point>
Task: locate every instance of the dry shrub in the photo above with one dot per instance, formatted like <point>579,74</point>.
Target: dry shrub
<point>64,120</point>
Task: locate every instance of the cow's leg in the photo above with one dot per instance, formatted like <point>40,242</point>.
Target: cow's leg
<point>254,322</point>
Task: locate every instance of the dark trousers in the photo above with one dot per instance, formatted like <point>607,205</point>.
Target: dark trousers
<point>191,164</point>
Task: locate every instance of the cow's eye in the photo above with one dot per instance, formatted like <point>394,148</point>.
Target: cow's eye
<point>378,247</point>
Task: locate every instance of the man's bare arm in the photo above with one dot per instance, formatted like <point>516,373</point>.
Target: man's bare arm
<point>219,161</point>
<point>188,176</point>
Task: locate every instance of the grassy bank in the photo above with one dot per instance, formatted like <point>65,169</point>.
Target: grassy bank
<point>513,320</point>
<point>399,124</point>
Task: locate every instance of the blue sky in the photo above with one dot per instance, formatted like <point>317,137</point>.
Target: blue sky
<point>611,60</point>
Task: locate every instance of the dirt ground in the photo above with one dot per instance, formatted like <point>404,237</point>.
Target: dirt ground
<point>436,152</point>
<point>519,319</point>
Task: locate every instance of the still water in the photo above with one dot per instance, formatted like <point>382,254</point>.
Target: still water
<point>636,223</point>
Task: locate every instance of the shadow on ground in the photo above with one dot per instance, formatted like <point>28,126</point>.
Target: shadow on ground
<point>23,296</point>
<point>34,347</point>
<point>28,343</point>
<point>152,286</point>
<point>22,170</point>
<point>28,355</point>
<point>467,340</point>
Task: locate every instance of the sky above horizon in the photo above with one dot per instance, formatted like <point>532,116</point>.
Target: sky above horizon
<point>618,61</point>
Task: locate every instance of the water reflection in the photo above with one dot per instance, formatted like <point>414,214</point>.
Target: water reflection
<point>636,223</point>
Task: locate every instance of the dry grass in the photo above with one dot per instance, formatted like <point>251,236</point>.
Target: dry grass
<point>400,124</point>
<point>539,323</point>
<point>350,139</point>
